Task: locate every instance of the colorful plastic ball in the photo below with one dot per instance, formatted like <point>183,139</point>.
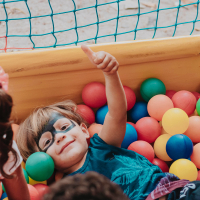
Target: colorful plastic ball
<point>138,111</point>
<point>34,195</point>
<point>39,166</point>
<point>195,155</point>
<point>95,128</point>
<point>179,146</point>
<point>152,87</point>
<point>148,129</point>
<point>158,105</point>
<point>3,196</point>
<point>131,123</point>
<point>87,113</point>
<point>170,93</point>
<point>175,121</point>
<point>143,148</point>
<point>130,136</point>
<point>94,95</point>
<point>198,176</point>
<point>198,107</point>
<point>184,169</point>
<point>184,100</point>
<point>101,114</point>
<point>193,131</point>
<point>160,147</point>
<point>42,189</point>
<point>162,164</point>
<point>33,182</point>
<point>197,95</point>
<point>130,97</point>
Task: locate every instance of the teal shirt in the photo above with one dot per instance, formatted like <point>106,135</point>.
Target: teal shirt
<point>134,173</point>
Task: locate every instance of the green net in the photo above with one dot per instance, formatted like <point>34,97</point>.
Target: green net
<point>36,24</point>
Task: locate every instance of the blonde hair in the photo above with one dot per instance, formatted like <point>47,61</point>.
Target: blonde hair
<point>29,130</point>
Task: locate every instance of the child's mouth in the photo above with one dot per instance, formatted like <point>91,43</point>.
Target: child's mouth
<point>66,145</point>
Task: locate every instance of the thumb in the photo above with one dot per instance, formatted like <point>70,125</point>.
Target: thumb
<point>90,54</point>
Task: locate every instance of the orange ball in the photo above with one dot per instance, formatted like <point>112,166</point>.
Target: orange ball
<point>34,194</point>
<point>42,189</point>
<point>195,155</point>
<point>193,131</point>
<point>162,164</point>
<point>95,128</point>
<point>15,128</point>
<point>130,97</point>
<point>158,105</point>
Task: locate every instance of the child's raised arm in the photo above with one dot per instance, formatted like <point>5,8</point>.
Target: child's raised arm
<point>115,121</point>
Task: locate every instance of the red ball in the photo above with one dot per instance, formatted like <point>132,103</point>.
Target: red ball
<point>130,97</point>
<point>42,189</point>
<point>148,129</point>
<point>162,164</point>
<point>131,123</point>
<point>185,100</point>
<point>87,113</point>
<point>94,95</point>
<point>143,148</point>
<point>170,93</point>
<point>198,177</point>
<point>34,195</point>
<point>197,95</point>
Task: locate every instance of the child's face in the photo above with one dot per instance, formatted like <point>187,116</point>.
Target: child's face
<point>64,140</point>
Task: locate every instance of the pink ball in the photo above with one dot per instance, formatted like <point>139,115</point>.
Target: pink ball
<point>94,95</point>
<point>158,105</point>
<point>197,95</point>
<point>195,155</point>
<point>148,129</point>
<point>42,189</point>
<point>87,113</point>
<point>185,100</point>
<point>130,97</point>
<point>131,123</point>
<point>170,93</point>
<point>143,148</point>
<point>162,164</point>
<point>34,195</point>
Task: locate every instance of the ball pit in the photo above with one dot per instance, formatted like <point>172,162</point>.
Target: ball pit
<point>39,166</point>
<point>160,163</point>
<point>94,95</point>
<point>184,169</point>
<point>143,148</point>
<point>158,105</point>
<point>179,146</point>
<point>184,100</point>
<point>175,121</point>
<point>148,129</point>
<point>87,113</point>
<point>130,97</point>
<point>130,136</point>
<point>151,87</point>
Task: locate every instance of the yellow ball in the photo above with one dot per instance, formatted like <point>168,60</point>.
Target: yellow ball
<point>23,164</point>
<point>184,169</point>
<point>6,198</point>
<point>160,147</point>
<point>33,182</point>
<point>175,121</point>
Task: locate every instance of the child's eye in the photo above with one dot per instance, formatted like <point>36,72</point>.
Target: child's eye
<point>47,142</point>
<point>64,127</point>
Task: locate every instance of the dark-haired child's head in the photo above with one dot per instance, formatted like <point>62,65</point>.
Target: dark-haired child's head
<point>89,186</point>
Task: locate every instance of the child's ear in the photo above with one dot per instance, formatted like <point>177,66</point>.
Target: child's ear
<point>85,130</point>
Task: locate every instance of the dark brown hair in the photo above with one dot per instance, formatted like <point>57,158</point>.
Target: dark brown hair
<point>6,133</point>
<point>89,186</point>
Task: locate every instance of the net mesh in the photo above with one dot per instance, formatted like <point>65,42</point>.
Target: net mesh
<point>70,22</point>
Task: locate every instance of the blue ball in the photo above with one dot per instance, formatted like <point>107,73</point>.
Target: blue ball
<point>101,114</point>
<point>4,195</point>
<point>130,136</point>
<point>138,111</point>
<point>179,146</point>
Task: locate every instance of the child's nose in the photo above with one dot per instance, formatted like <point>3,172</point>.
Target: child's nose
<point>60,137</point>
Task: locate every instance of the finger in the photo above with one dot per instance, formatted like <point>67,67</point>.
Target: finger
<point>105,62</point>
<point>90,54</point>
<point>114,69</point>
<point>111,65</point>
<point>100,56</point>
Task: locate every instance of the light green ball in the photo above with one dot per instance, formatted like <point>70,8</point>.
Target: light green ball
<point>198,107</point>
<point>39,166</point>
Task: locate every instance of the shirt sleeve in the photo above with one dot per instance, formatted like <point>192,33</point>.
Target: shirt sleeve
<point>8,167</point>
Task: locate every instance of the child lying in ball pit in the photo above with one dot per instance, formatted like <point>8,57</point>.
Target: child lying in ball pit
<point>61,132</point>
<point>11,174</point>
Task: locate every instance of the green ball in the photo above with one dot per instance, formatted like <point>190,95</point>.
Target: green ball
<point>151,87</point>
<point>198,107</point>
<point>25,175</point>
<point>39,166</point>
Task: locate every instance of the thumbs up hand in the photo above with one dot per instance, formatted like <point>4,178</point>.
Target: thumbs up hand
<point>102,60</point>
